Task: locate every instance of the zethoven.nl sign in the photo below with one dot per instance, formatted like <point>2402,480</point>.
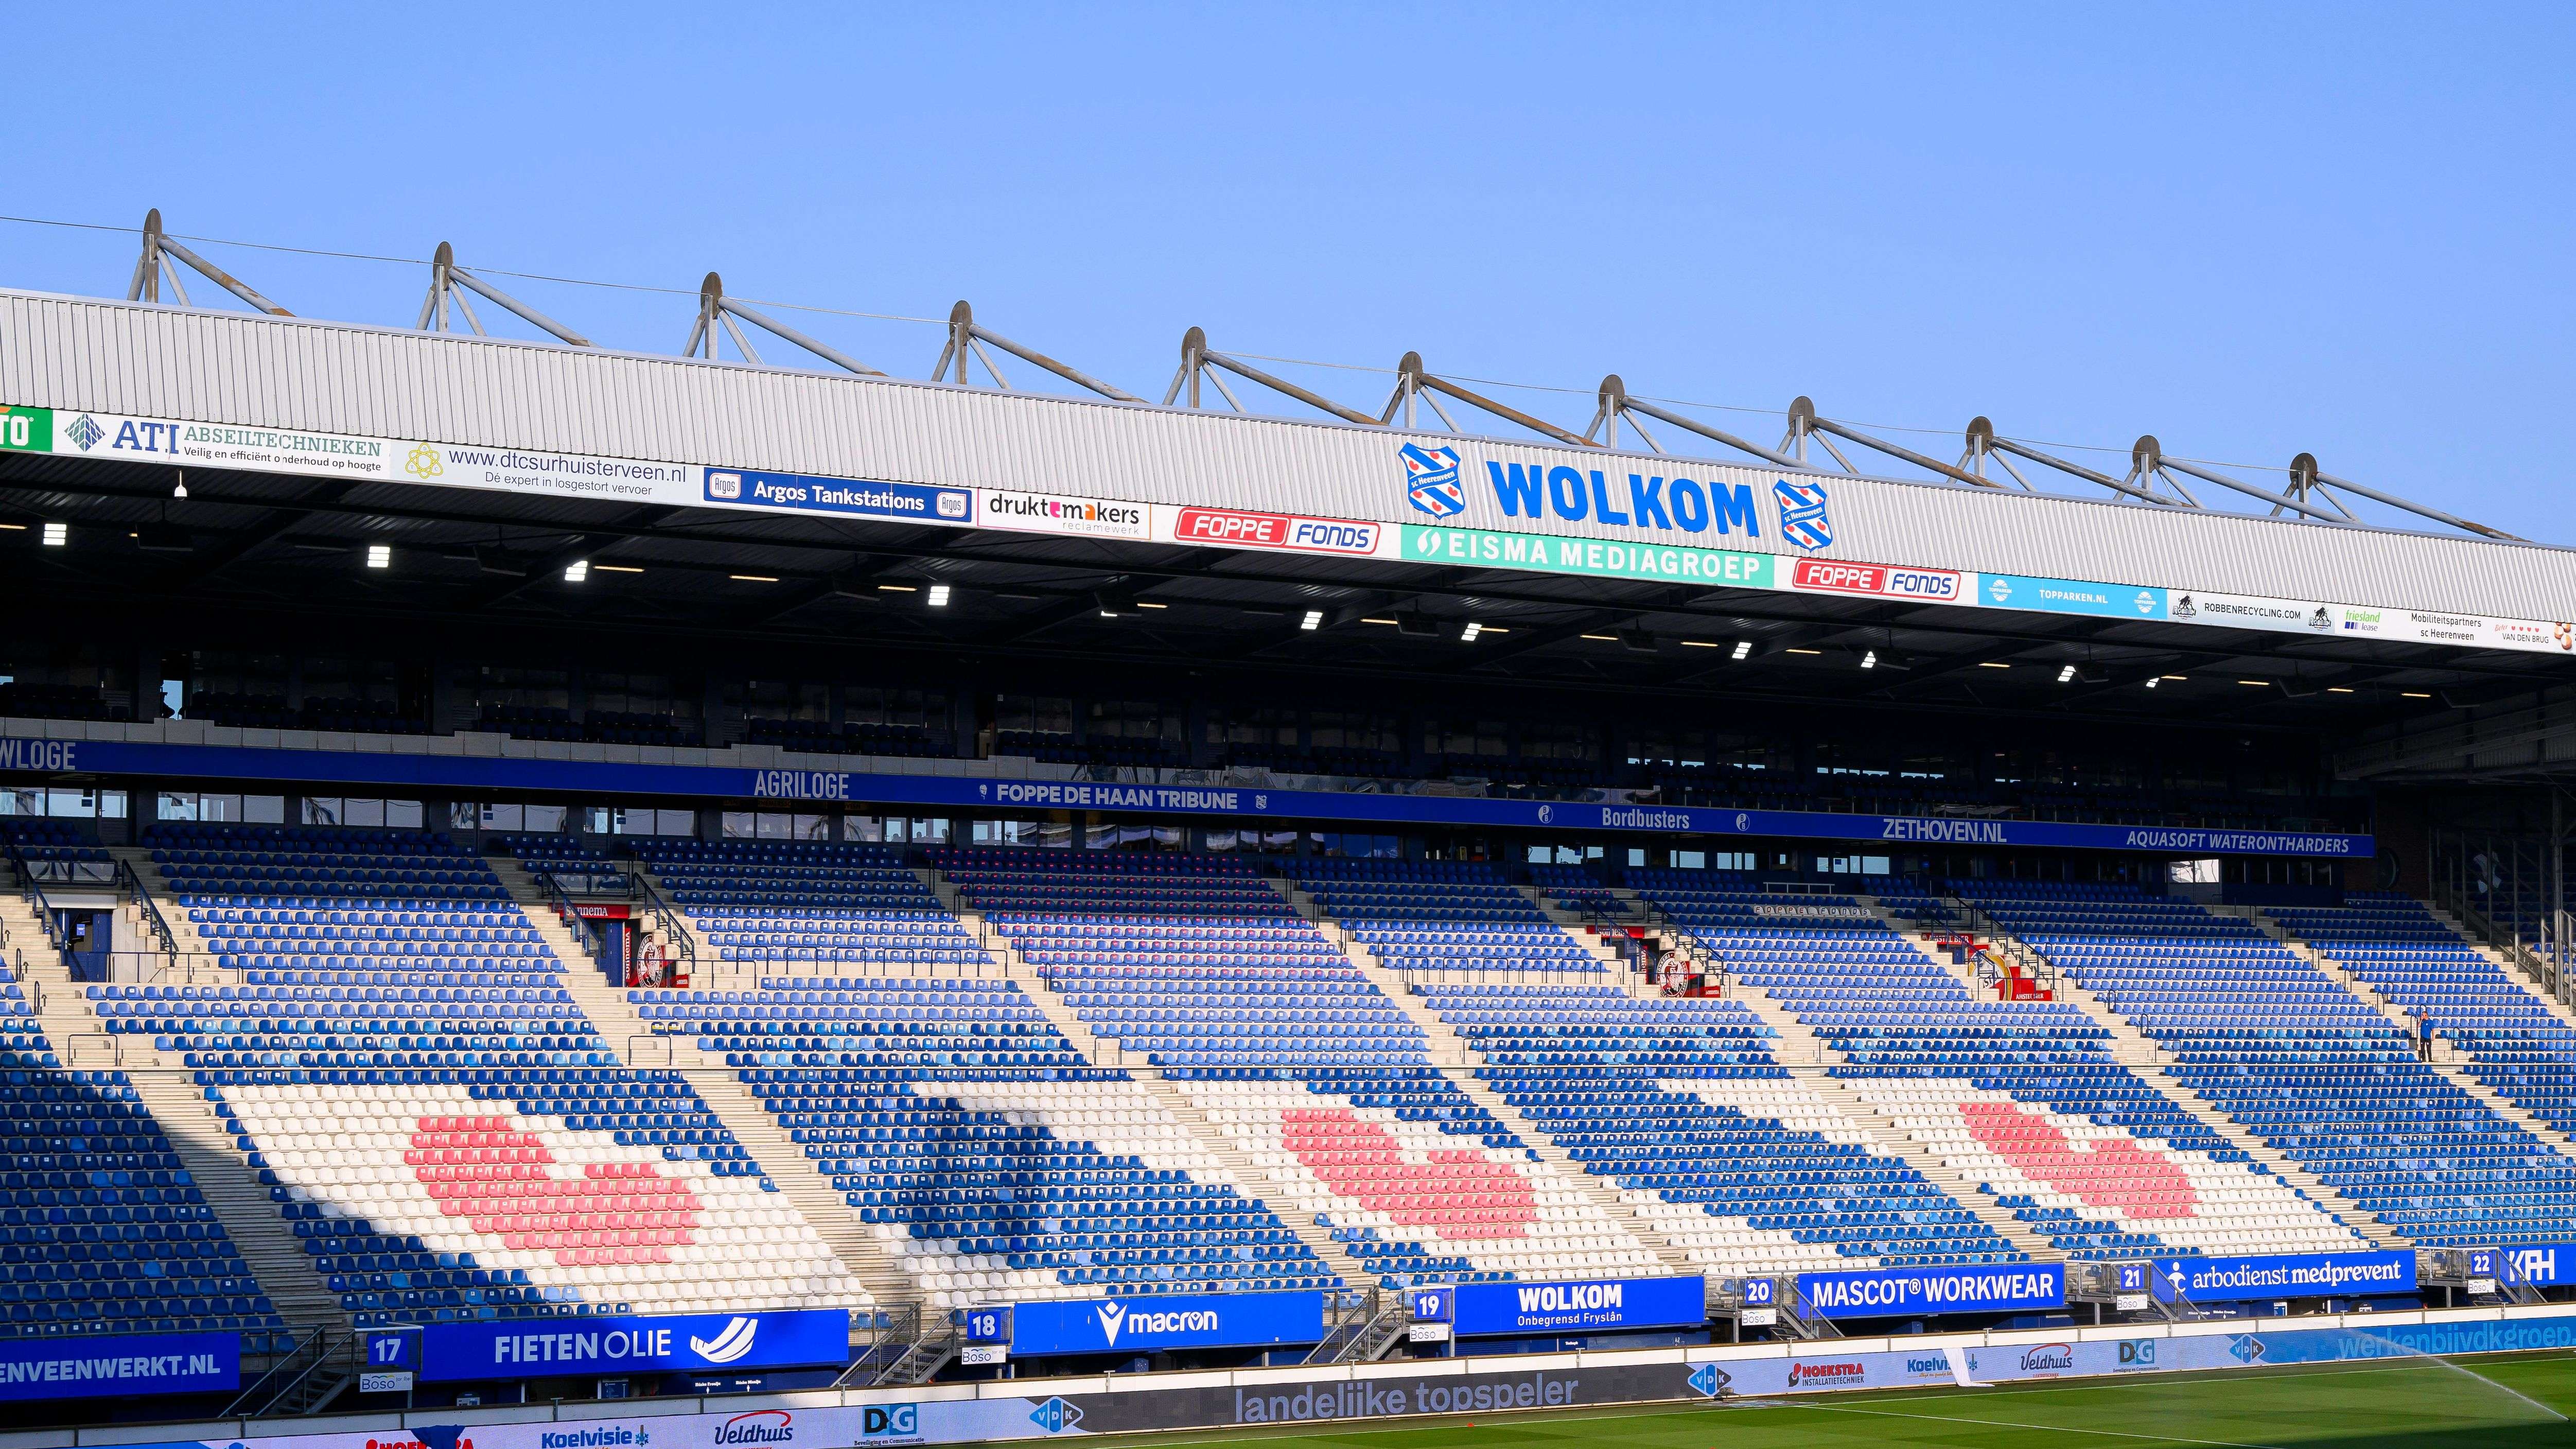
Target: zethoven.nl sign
<point>464,774</point>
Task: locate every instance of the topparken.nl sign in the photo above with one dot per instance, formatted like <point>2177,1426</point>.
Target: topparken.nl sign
<point>160,1363</point>
<point>2302,1275</point>
<point>1879,1292</point>
<point>1590,1307</point>
<point>678,1343</point>
<point>1177,1320</point>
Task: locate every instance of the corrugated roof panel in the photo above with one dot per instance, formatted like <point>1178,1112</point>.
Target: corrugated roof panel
<point>238,368</point>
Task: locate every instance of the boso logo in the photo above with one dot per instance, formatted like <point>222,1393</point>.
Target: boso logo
<point>761,1426</point>
<point>1116,1318</point>
<point>890,1421</point>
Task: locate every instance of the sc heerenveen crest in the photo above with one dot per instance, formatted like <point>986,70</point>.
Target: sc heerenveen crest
<point>1431,480</point>
<point>1802,513</point>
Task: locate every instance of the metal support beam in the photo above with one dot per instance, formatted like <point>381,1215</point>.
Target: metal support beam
<point>1411,381</point>
<point>1615,403</point>
<point>1804,422</point>
<point>1197,358</point>
<point>154,264</point>
<point>445,277</point>
<point>963,335</point>
<point>716,310</point>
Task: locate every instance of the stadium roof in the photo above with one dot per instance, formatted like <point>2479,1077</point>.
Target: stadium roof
<point>755,499</point>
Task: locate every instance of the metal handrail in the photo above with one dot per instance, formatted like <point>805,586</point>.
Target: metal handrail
<point>37,901</point>
<point>669,922</point>
<point>582,930</point>
<point>131,880</point>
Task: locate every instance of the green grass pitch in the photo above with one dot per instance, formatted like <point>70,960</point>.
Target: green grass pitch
<point>2501,1402</point>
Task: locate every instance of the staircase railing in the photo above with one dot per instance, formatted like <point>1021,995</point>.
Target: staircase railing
<point>131,880</point>
<point>891,1333</point>
<point>668,923</point>
<point>582,930</point>
<point>37,902</point>
<point>306,1379</point>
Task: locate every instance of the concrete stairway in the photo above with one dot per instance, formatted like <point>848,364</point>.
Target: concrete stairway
<point>721,1088</point>
<point>1795,1044</point>
<point>2141,1053</point>
<point>1458,1062</point>
<point>1250,1177</point>
<point>184,932</point>
<point>221,1174</point>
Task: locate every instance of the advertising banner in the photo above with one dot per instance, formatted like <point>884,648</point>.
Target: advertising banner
<point>1171,1320</point>
<point>844,497</point>
<point>1277,532</point>
<point>123,1366</point>
<point>1883,581</point>
<point>2304,1275</point>
<point>671,1343</point>
<point>2070,596</point>
<point>1060,513</point>
<point>1599,558</point>
<point>2540,1264</point>
<point>1882,1291</point>
<point>1583,1307</point>
<point>2241,611</point>
<point>478,773</point>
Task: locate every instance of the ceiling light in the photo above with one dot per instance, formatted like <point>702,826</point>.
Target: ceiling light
<point>576,571</point>
<point>897,589</point>
<point>2257,683</point>
<point>1993,664</point>
<point>2412,694</point>
<point>1700,644</point>
<point>1149,604</point>
<point>1496,629</point>
<point>751,578</point>
<point>1397,622</point>
<point>1869,659</point>
<point>180,490</point>
<point>617,568</point>
<point>2066,674</point>
<point>2177,678</point>
<point>1743,649</point>
<point>2151,683</point>
<point>938,596</point>
<point>2337,689</point>
<point>1468,634</point>
<point>14,527</point>
<point>1603,638</point>
<point>57,534</point>
<point>1313,621</point>
<point>380,555</point>
<point>1805,651</point>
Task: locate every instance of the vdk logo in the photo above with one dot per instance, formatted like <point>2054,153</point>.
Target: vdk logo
<point>1710,1380</point>
<point>1432,480</point>
<point>2245,1348</point>
<point>1055,1416</point>
<point>1802,514</point>
<point>729,1345</point>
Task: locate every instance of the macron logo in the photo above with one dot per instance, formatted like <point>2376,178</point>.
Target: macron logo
<point>1110,1316</point>
<point>729,1345</point>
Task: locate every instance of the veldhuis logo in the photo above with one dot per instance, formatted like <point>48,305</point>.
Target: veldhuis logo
<point>1802,514</point>
<point>85,431</point>
<point>1431,479</point>
<point>729,1345</point>
<point>1111,1315</point>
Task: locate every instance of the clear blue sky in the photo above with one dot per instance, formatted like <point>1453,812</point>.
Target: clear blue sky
<point>2251,230</point>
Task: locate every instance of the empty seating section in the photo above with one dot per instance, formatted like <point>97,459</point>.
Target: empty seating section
<point>2289,1053</point>
<point>979,1146</point>
<point>443,1127</point>
<point>1440,916</point>
<point>829,909</point>
<point>101,1229</point>
<point>1983,1084</point>
<point>1201,967</point>
<point>2513,1043</point>
<point>1577,889</point>
<point>1681,1104</point>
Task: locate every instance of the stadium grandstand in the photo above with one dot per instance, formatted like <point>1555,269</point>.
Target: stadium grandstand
<point>543,874</point>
